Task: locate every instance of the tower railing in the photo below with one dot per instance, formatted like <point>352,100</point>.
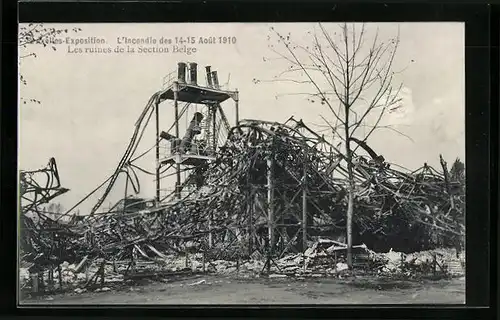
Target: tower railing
<point>169,79</point>
<point>196,148</point>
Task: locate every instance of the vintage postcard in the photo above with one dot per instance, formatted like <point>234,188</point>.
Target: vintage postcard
<point>241,163</point>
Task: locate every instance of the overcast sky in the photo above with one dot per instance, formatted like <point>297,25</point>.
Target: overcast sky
<point>90,102</point>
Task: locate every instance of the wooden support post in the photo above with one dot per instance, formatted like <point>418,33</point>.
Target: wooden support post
<point>178,165</point>
<point>434,263</point>
<point>270,209</point>
<point>305,262</point>
<point>157,152</point>
<point>34,283</point>
<point>59,270</point>
<point>91,236</point>
<point>132,261</point>
<point>304,206</point>
<point>250,205</point>
<point>214,127</point>
<point>447,181</point>
<point>129,266</point>
<point>203,257</point>
<point>282,234</point>
<point>236,104</point>
<point>101,273</point>
<point>210,236</point>
<point>51,278</point>
<point>125,195</point>
<point>268,260</point>
<point>41,280</point>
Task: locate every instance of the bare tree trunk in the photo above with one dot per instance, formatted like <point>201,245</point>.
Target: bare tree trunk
<point>350,211</point>
<point>347,107</point>
<point>350,203</point>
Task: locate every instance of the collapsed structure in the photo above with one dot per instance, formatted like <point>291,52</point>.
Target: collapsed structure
<point>269,190</point>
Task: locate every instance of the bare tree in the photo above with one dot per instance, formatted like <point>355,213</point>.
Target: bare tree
<point>36,34</point>
<point>350,75</point>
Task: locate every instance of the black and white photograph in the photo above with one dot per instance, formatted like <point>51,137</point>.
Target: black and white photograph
<point>241,163</point>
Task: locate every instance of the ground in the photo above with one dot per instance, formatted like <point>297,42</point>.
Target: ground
<point>204,289</point>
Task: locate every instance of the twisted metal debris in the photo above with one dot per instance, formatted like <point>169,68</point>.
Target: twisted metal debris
<point>273,188</point>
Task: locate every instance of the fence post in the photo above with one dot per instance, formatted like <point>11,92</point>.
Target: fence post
<point>50,282</point>
<point>59,270</point>
<point>434,263</point>
<point>204,269</point>
<point>34,282</point>
<point>86,273</point>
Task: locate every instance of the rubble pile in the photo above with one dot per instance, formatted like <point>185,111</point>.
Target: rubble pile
<point>425,207</point>
<point>316,261</point>
<point>283,171</point>
<point>444,261</point>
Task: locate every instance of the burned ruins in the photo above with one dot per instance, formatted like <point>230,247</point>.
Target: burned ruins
<point>250,196</point>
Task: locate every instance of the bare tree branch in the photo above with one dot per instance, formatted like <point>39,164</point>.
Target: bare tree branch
<point>36,34</point>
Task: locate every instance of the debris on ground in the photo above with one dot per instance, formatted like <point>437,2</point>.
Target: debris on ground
<point>198,282</point>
